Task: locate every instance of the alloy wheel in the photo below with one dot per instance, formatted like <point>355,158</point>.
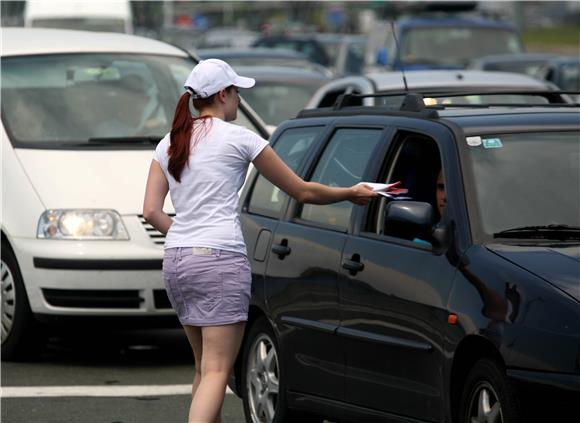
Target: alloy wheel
<point>262,376</point>
<point>8,291</point>
<point>484,406</point>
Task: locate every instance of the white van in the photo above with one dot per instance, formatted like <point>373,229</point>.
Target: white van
<point>89,15</point>
<point>82,113</point>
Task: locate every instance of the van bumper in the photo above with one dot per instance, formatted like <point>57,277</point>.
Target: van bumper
<point>93,278</point>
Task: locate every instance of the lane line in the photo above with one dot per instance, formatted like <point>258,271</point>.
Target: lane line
<point>96,391</point>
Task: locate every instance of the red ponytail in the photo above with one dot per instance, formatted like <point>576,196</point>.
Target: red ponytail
<point>181,135</point>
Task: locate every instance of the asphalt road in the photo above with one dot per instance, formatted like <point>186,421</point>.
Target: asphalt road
<point>123,377</point>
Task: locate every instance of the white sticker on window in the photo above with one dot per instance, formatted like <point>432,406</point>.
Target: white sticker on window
<point>473,141</point>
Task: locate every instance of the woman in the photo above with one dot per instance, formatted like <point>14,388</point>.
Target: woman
<point>202,163</point>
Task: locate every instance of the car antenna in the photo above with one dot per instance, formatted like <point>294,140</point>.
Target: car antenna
<point>398,52</point>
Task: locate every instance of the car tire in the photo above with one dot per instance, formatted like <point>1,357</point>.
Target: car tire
<point>262,382</point>
<point>21,335</point>
<point>488,395</point>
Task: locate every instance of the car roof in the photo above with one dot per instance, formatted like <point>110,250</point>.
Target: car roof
<point>386,81</point>
<point>516,58</point>
<point>280,73</point>
<point>35,41</point>
<point>410,22</point>
<point>250,52</point>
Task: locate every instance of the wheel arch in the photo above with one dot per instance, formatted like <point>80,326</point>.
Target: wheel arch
<point>468,352</point>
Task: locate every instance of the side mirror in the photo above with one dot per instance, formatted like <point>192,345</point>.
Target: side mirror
<point>409,220</point>
<point>382,56</point>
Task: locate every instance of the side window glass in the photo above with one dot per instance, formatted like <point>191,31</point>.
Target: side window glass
<point>267,199</point>
<point>342,165</point>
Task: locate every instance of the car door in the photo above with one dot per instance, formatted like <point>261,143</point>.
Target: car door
<point>302,272</point>
<point>393,294</point>
<point>266,203</point>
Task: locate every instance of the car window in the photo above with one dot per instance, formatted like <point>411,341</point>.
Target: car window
<point>267,199</point>
<point>342,164</point>
<point>278,101</point>
<point>416,165</point>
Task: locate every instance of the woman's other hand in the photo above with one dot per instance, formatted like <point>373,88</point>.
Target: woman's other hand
<point>361,194</point>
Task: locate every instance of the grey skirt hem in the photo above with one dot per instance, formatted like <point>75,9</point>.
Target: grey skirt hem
<point>199,323</point>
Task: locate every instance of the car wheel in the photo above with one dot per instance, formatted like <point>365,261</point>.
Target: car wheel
<point>21,338</point>
<point>263,388</point>
<point>488,396</point>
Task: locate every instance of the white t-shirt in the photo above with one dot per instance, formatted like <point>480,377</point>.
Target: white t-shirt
<point>206,200</point>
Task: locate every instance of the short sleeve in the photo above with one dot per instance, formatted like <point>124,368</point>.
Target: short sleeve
<point>160,154</point>
<point>253,145</point>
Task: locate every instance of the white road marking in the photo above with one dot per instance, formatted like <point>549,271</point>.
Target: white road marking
<point>96,391</point>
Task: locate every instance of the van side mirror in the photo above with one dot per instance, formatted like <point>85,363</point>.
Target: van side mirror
<point>409,220</point>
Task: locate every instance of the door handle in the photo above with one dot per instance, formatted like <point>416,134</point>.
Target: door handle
<point>282,249</point>
<point>353,266</point>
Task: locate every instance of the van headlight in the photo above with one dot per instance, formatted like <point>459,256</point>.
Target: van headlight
<point>81,224</point>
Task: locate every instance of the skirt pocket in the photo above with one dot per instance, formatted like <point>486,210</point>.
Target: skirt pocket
<point>201,287</point>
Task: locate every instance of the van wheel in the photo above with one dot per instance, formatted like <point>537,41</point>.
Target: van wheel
<point>20,333</point>
<point>488,396</point>
<point>263,384</point>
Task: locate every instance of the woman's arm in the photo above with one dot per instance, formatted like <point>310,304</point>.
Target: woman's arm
<point>276,171</point>
<point>155,193</point>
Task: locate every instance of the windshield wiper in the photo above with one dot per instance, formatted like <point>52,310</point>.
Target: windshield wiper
<point>554,231</point>
<point>145,139</point>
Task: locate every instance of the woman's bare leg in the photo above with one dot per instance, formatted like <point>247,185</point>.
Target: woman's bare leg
<point>195,340</point>
<point>220,348</point>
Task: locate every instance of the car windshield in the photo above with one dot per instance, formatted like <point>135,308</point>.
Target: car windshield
<point>277,101</point>
<point>455,46</point>
<point>82,97</point>
<point>526,179</point>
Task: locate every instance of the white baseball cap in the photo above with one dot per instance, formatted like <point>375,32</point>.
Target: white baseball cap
<point>213,75</point>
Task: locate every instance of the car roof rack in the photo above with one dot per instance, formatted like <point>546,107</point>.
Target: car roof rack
<point>413,104</point>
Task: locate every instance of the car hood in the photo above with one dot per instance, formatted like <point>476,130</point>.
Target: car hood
<point>111,179</point>
<point>559,265</point>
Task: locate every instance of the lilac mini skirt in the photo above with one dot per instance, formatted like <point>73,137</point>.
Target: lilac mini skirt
<point>207,287</point>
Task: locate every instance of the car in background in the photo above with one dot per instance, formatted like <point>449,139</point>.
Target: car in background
<point>343,54</point>
<point>305,44</point>
<point>261,57</point>
<point>526,63</point>
<point>459,310</point>
<point>82,113</point>
<point>433,81</point>
<point>226,37</point>
<point>104,15</point>
<point>445,41</point>
<point>563,72</point>
<point>346,52</point>
<point>280,93</point>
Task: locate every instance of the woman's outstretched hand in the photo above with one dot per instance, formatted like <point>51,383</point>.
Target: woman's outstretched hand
<point>361,194</point>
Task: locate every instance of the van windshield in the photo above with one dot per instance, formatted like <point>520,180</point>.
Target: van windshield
<point>54,100</point>
<point>536,176</point>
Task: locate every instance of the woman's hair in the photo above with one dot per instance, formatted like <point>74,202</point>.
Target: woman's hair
<point>182,132</point>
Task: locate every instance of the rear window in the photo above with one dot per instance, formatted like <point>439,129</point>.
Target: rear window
<point>89,98</point>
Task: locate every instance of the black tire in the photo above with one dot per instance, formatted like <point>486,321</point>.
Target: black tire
<point>21,335</point>
<point>487,391</point>
<point>261,372</point>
